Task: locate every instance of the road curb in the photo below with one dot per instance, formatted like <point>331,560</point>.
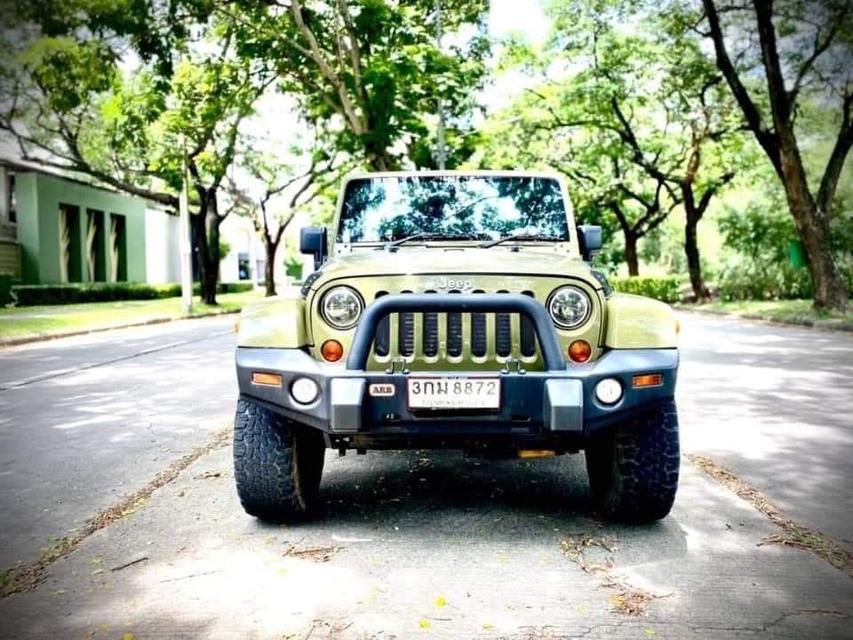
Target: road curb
<point>820,325</point>
<point>68,334</point>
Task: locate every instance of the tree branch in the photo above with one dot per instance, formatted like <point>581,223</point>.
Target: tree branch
<point>767,139</point>
<point>820,47</point>
<point>316,54</point>
<point>832,172</point>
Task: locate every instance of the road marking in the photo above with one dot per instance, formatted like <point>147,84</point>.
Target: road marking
<point>15,384</point>
<point>793,533</point>
<point>27,577</point>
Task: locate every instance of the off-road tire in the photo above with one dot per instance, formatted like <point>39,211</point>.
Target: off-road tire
<point>633,467</point>
<point>277,464</point>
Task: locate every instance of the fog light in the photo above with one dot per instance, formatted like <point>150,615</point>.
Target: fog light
<point>304,390</point>
<point>608,391</point>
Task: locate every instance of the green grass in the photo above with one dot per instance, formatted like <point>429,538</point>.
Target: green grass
<point>18,323</point>
<point>795,311</point>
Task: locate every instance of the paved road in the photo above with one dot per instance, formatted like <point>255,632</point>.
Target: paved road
<point>421,544</point>
<point>775,404</point>
<point>87,419</point>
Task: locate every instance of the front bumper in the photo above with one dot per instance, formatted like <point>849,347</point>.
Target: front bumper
<point>559,401</point>
<point>532,403</point>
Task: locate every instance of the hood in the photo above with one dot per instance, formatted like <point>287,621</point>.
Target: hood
<point>469,260</point>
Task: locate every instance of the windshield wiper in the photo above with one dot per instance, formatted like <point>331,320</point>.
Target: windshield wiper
<point>435,236</point>
<point>527,237</point>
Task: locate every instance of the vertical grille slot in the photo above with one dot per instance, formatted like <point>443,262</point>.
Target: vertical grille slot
<point>503,333</point>
<point>527,337</point>
<point>382,341</point>
<point>454,332</point>
<point>430,333</point>
<point>406,332</point>
<point>479,334</point>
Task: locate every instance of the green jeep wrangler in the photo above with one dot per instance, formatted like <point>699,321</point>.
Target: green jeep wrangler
<point>457,311</point>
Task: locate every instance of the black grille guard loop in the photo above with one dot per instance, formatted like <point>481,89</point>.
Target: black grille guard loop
<point>457,303</point>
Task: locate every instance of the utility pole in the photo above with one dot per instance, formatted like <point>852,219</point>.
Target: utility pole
<point>441,149</point>
<point>185,241</point>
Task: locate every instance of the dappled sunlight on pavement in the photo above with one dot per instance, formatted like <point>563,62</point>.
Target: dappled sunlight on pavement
<point>431,545</point>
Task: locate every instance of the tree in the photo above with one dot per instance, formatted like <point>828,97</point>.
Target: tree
<point>804,47</point>
<point>657,93</point>
<point>370,73</point>
<point>71,105</point>
<point>700,148</point>
<point>640,124</point>
<point>284,192</point>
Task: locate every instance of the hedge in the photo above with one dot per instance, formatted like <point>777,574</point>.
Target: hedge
<point>47,294</point>
<point>6,283</point>
<point>664,288</point>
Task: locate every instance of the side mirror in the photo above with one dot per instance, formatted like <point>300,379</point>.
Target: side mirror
<point>314,240</point>
<point>589,236</point>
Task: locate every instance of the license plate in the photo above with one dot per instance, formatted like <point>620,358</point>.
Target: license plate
<point>454,393</point>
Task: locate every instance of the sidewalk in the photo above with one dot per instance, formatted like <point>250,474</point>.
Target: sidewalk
<point>785,312</point>
<point>19,325</point>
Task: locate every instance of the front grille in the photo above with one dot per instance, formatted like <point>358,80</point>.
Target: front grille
<point>420,335</point>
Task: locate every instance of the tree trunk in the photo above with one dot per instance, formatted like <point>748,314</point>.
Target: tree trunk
<point>691,246</point>
<point>830,290</point>
<point>694,264</point>
<point>631,254</point>
<point>207,234</point>
<point>269,269</point>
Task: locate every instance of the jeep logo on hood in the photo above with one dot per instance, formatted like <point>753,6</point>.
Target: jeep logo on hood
<point>449,284</point>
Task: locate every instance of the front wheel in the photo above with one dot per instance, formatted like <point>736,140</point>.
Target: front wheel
<point>633,468</point>
<point>277,463</point>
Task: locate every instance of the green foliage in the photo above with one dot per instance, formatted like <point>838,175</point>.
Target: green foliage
<point>759,238</point>
<point>369,74</point>
<point>760,232</point>
<point>758,266</point>
<point>776,282</point>
<point>664,288</point>
<point>224,249</point>
<point>636,115</point>
<point>293,267</point>
<point>49,294</point>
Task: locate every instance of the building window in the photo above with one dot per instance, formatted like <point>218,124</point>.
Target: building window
<point>96,258</point>
<point>118,248</point>
<point>12,199</point>
<point>69,249</point>
<point>244,266</point>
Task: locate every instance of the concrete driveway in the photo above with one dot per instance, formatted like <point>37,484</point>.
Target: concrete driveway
<point>420,544</point>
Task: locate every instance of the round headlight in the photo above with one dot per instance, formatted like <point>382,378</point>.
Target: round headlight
<point>342,307</point>
<point>569,307</point>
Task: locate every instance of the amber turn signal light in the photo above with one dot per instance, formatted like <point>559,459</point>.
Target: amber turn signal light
<point>332,350</point>
<point>266,379</point>
<point>580,351</point>
<point>528,454</point>
<point>648,380</point>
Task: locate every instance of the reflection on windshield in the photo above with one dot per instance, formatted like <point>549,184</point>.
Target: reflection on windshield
<point>390,208</point>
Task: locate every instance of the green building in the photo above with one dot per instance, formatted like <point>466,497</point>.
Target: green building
<point>56,229</point>
<point>70,231</point>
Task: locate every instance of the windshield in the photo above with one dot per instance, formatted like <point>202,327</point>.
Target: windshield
<point>474,207</point>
